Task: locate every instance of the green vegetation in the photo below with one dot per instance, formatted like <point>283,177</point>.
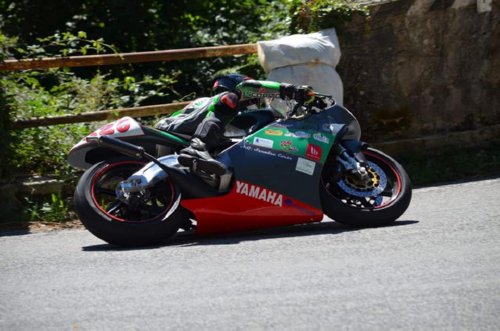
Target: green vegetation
<point>54,209</point>
<point>317,15</point>
<point>452,165</point>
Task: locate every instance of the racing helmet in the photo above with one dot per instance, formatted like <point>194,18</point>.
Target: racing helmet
<point>227,83</point>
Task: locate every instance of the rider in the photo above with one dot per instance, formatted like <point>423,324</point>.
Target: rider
<point>207,117</point>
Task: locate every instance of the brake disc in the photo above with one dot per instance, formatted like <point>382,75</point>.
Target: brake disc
<point>371,187</point>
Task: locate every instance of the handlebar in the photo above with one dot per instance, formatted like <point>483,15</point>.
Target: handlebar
<point>317,102</point>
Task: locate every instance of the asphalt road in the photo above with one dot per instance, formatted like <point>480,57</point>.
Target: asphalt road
<point>437,268</point>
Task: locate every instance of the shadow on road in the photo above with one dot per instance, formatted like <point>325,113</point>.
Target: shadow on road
<point>188,239</point>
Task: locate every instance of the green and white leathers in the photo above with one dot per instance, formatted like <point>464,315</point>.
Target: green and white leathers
<point>186,120</point>
<point>224,105</point>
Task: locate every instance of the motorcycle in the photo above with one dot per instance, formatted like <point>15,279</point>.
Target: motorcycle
<point>281,172</point>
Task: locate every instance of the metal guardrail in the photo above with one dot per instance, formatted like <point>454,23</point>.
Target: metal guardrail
<point>102,115</point>
<point>125,58</point>
<point>113,59</point>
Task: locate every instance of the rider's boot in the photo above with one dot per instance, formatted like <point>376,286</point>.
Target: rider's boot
<point>197,157</point>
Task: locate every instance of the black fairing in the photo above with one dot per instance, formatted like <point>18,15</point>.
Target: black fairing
<point>279,170</point>
<point>248,122</point>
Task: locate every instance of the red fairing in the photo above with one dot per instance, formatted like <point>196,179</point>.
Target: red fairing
<point>249,207</point>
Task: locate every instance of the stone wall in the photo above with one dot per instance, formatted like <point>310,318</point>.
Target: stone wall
<point>421,67</point>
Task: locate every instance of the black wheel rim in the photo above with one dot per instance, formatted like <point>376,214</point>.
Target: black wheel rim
<point>103,193</point>
<point>383,188</point>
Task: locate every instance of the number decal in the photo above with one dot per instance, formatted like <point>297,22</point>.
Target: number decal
<point>123,125</point>
<point>107,130</point>
<point>123,128</point>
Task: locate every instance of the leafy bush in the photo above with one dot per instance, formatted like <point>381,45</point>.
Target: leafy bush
<point>53,209</point>
<point>314,15</point>
<point>5,137</point>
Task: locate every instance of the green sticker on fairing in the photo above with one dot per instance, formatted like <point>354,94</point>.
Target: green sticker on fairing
<point>304,142</point>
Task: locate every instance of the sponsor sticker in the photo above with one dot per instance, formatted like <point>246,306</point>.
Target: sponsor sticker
<point>298,134</point>
<point>305,166</point>
<point>263,142</point>
<point>251,94</point>
<point>253,148</point>
<point>287,145</point>
<point>321,138</point>
<point>273,132</point>
<point>314,152</point>
<point>259,193</point>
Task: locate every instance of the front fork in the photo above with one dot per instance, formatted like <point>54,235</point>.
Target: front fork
<point>350,157</point>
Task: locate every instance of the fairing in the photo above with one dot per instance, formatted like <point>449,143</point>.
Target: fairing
<point>277,171</point>
<point>249,207</point>
<point>86,153</point>
<point>125,127</point>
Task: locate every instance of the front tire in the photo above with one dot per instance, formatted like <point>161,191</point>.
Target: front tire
<point>149,220</point>
<point>376,202</point>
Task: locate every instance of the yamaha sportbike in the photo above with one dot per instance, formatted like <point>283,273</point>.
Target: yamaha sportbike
<point>281,172</point>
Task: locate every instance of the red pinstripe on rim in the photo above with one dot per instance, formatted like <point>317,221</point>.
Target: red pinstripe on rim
<point>394,170</point>
<point>117,164</point>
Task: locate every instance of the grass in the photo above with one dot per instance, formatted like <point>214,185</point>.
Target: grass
<point>453,165</point>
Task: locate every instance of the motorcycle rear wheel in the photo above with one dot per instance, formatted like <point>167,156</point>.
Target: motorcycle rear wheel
<point>377,202</point>
<point>150,220</point>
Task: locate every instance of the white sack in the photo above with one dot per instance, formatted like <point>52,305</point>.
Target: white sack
<point>304,60</point>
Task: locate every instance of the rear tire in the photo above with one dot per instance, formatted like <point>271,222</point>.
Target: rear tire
<point>379,202</point>
<point>155,220</point>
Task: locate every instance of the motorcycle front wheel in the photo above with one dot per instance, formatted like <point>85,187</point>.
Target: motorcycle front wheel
<point>376,201</point>
<point>145,219</point>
